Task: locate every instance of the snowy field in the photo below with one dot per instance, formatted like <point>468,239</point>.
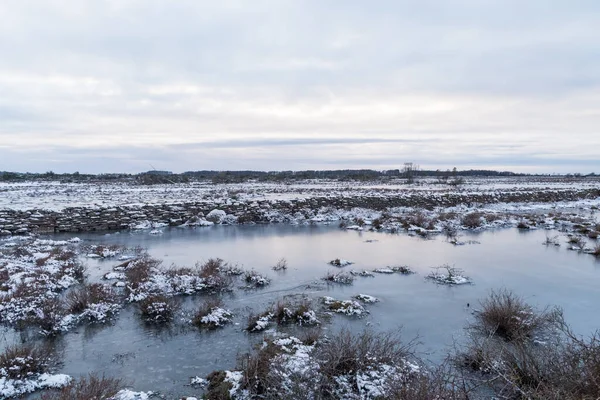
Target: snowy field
<point>57,196</point>
<point>169,305</point>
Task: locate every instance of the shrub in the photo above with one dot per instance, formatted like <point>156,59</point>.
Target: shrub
<point>138,272</point>
<point>577,241</point>
<point>48,317</point>
<point>442,383</point>
<point>310,336</point>
<point>22,361</point>
<point>91,388</point>
<point>564,367</point>
<point>281,265</point>
<point>347,354</point>
<point>211,268</point>
<point>215,275</point>
<point>255,279</point>
<point>522,225</point>
<point>158,308</point>
<point>451,232</point>
<point>259,322</point>
<point>472,220</point>
<point>447,275</point>
<point>211,315</point>
<point>339,277</point>
<point>256,369</point>
<point>551,241</point>
<point>302,314</point>
<point>596,251</point>
<point>218,388</point>
<point>78,300</point>
<point>509,317</point>
<point>377,223</point>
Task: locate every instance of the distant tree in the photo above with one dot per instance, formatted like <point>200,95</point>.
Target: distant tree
<point>410,171</point>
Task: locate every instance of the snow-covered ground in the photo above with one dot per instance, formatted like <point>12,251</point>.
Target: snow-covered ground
<point>57,196</point>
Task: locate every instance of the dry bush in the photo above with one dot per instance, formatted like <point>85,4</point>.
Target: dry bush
<point>596,250</point>
<point>281,265</point>
<point>343,278</point>
<point>286,312</point>
<point>158,308</point>
<point>213,273</point>
<point>255,279</point>
<point>139,271</point>
<point>310,336</point>
<point>472,220</point>
<point>40,262</point>
<point>205,309</point>
<point>522,225</point>
<point>346,353</point>
<point>217,388</point>
<point>211,268</point>
<point>22,361</point>
<point>418,219</point>
<point>91,388</point>
<point>443,383</point>
<point>509,317</point>
<point>451,232</point>
<point>565,367</point>
<point>491,217</point>
<point>577,241</point>
<point>447,216</point>
<point>377,223</point>
<point>77,300</point>
<point>254,321</point>
<point>49,316</point>
<point>255,368</point>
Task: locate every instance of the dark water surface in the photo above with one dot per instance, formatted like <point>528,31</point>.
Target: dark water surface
<point>164,360</point>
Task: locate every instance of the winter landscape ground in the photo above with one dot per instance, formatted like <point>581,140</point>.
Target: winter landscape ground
<point>313,289</point>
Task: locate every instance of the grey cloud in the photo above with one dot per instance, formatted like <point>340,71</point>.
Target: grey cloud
<point>272,74</point>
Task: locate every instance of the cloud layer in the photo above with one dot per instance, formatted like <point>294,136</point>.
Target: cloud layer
<point>108,86</point>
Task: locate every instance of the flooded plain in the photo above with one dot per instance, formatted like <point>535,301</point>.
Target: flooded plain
<point>165,359</point>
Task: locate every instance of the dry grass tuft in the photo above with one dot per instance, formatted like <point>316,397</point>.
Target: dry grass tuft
<point>472,220</point>
<point>158,309</point>
<point>92,387</point>
<point>508,316</point>
<point>22,361</point>
<point>81,298</point>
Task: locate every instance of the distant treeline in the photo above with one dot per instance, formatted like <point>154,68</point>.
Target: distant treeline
<point>162,177</point>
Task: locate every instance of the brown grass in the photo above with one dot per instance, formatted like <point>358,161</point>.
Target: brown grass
<point>77,300</point>
<point>565,367</point>
<point>256,367</point>
<point>509,317</point>
<point>158,309</point>
<point>217,388</point>
<point>472,220</point>
<point>346,353</point>
<point>205,309</point>
<point>213,273</point>
<point>138,271</point>
<point>92,387</point>
<point>287,312</point>
<point>22,361</point>
<point>443,383</point>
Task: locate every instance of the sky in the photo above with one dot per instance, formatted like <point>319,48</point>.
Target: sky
<point>134,85</point>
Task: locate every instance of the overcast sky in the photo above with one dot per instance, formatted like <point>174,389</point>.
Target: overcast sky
<point>132,85</point>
